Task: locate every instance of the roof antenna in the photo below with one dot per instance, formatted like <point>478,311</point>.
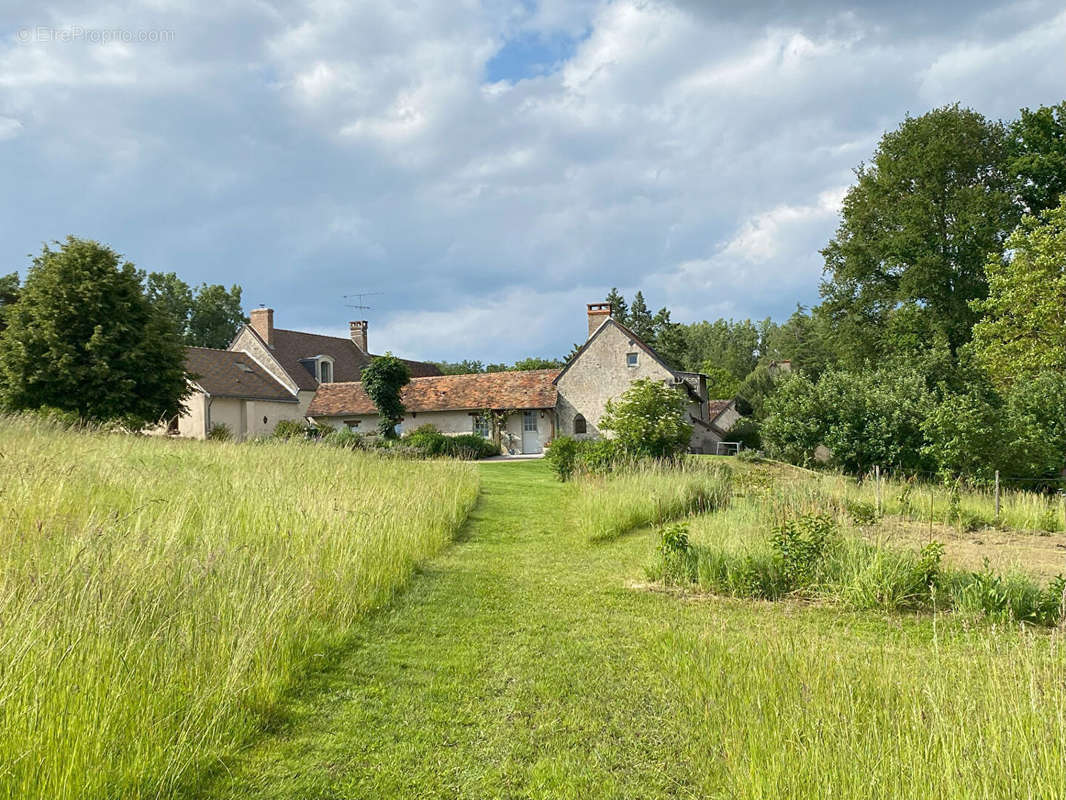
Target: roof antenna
<point>359,299</point>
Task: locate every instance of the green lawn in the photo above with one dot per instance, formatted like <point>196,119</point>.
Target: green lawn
<point>526,662</point>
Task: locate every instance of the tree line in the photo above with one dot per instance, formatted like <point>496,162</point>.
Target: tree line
<point>90,336</point>
<point>939,343</point>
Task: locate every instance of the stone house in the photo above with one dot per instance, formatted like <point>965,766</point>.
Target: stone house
<point>523,411</point>
<point>515,409</point>
<point>269,374</point>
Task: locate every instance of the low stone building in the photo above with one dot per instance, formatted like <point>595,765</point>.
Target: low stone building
<point>523,411</point>
<point>269,374</point>
<point>515,409</point>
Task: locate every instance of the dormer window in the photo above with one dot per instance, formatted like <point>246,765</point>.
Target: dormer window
<point>325,371</point>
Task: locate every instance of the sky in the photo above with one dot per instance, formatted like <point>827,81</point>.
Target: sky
<point>485,168</point>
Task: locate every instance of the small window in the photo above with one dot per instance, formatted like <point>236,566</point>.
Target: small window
<point>351,424</point>
<point>631,359</point>
<point>529,421</point>
<point>579,424</point>
<point>325,372</point>
<point>481,425</point>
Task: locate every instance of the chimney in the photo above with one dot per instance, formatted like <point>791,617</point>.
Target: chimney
<point>598,314</point>
<point>262,321</point>
<point>357,330</point>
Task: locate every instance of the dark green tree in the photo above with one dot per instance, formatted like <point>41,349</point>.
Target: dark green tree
<point>383,380</point>
<point>464,367</point>
<point>917,229</point>
<point>173,297</point>
<point>536,363</point>
<point>1037,157</point>
<point>9,293</point>
<point>640,320</point>
<point>668,339</point>
<point>648,419</point>
<point>728,345</point>
<point>84,338</point>
<point>215,316</point>
<point>619,308</point>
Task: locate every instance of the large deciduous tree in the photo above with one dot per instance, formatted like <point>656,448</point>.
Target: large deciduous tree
<point>917,229</point>
<point>1023,330</point>
<point>210,316</point>
<point>384,379</point>
<point>83,337</point>
<point>9,293</point>
<point>1037,156</point>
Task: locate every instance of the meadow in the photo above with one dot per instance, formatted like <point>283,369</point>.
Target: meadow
<point>158,598</point>
<point>529,661</point>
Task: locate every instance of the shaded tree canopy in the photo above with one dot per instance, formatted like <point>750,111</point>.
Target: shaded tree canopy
<point>84,337</point>
<point>917,228</point>
<point>383,380</point>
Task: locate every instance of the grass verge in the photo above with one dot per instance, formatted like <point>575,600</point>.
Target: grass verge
<point>158,596</point>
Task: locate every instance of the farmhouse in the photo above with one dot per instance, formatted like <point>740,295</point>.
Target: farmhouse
<point>269,374</point>
<point>523,411</point>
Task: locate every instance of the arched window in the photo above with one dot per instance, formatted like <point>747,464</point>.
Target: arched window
<point>325,371</point>
<point>579,424</point>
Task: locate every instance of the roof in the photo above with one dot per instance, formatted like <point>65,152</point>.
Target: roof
<point>717,407</point>
<point>527,389</point>
<point>228,373</point>
<point>348,360</point>
<point>636,340</point>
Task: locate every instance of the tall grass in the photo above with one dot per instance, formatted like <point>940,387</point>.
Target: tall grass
<point>157,597</point>
<point>647,493</point>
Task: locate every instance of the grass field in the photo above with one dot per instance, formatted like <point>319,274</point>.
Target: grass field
<point>527,662</point>
<point>157,598</point>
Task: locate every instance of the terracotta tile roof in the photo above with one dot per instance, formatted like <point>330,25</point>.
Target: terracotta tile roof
<point>348,360</point>
<point>496,390</point>
<point>227,373</point>
<point>716,407</point>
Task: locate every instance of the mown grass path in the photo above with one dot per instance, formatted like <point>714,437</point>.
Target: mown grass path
<point>513,666</point>
<point>523,663</point>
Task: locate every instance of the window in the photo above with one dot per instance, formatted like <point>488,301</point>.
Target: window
<point>631,359</point>
<point>481,425</point>
<point>579,424</point>
<point>325,371</point>
<point>351,424</point>
<point>529,421</point>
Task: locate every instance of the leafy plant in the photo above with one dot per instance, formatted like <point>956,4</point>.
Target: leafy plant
<point>383,380</point>
<point>648,420</point>
<point>220,432</point>
<point>800,544</point>
<point>290,429</point>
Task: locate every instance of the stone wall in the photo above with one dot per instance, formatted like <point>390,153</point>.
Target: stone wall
<point>600,374</point>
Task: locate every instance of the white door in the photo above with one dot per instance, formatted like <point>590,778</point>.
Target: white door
<point>530,436</point>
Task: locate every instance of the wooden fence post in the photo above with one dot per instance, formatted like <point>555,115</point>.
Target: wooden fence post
<point>997,495</point>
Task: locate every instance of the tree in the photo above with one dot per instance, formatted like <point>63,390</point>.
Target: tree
<point>465,367</point>
<point>536,363</point>
<point>1037,157</point>
<point>648,420</point>
<point>801,339</point>
<point>84,338</point>
<point>640,320</point>
<point>383,380</point>
<point>731,346</point>
<point>171,295</point>
<point>215,316</point>
<point>1023,330</point>
<point>9,294</point>
<point>619,309</point>
<point>668,339</point>
<point>721,385</point>
<point>794,425</point>
<point>917,229</point>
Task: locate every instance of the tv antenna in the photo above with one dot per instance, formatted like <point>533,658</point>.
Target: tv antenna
<point>357,300</point>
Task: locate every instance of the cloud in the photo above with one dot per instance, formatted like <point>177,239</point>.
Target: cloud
<point>490,167</point>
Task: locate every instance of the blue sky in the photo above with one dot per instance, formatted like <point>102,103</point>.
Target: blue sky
<point>489,167</point>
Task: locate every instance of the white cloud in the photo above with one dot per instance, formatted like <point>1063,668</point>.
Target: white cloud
<point>315,148</point>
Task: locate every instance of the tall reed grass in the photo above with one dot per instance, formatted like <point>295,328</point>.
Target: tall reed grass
<point>157,597</point>
<point>647,493</point>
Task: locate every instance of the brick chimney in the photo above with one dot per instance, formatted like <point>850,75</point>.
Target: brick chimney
<point>357,330</point>
<point>598,314</point>
<point>262,321</point>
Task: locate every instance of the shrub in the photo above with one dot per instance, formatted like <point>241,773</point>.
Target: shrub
<point>561,456</point>
<point>861,513</point>
<point>345,438</point>
<point>427,439</point>
<point>800,544</point>
<point>220,432</point>
<point>290,429</point>
<point>599,456</point>
<point>677,559</point>
<point>649,420</point>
